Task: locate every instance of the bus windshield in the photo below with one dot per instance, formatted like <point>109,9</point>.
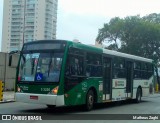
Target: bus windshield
<point>40,67</point>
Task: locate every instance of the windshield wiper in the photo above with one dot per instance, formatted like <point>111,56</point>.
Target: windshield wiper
<point>49,66</point>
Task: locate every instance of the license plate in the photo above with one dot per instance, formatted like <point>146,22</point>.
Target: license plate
<point>34,97</point>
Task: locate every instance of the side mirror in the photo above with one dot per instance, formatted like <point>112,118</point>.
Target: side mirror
<point>10,56</point>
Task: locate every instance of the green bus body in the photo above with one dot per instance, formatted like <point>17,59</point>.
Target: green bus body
<point>73,89</point>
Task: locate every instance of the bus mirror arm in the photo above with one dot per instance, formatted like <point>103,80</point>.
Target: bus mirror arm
<point>10,56</point>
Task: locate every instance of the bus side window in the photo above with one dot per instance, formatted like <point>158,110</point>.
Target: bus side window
<point>94,65</point>
<point>119,70</point>
<point>149,70</point>
<point>88,71</point>
<point>74,66</point>
<point>137,70</point>
<point>144,71</point>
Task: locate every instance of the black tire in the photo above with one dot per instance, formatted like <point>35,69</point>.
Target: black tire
<point>51,106</point>
<point>89,100</point>
<point>138,95</point>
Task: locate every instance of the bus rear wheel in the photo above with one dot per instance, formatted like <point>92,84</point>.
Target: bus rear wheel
<point>89,100</point>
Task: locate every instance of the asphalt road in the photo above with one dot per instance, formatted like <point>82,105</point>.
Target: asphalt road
<point>149,105</point>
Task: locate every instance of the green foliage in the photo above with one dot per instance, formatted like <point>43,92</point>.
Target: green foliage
<point>111,32</point>
<point>154,17</point>
<point>137,35</point>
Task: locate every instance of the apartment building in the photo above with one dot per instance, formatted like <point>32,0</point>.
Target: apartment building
<point>27,20</point>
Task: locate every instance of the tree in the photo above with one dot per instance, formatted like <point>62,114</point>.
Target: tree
<point>111,32</point>
<point>131,37</point>
<point>140,37</point>
<point>154,17</point>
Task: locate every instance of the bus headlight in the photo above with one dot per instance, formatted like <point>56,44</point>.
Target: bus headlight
<point>18,89</point>
<point>55,90</point>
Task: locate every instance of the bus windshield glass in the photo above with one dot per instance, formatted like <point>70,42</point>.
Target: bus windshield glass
<point>40,67</point>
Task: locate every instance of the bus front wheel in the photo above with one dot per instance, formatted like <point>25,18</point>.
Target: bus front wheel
<point>89,100</point>
<point>51,106</point>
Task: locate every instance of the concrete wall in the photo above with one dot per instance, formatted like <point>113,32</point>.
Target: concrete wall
<point>8,73</point>
<point>2,66</point>
<point>7,12</point>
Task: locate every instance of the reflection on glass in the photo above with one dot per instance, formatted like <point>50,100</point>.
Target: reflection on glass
<point>41,67</point>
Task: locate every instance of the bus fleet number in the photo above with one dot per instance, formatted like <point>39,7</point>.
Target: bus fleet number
<point>45,89</point>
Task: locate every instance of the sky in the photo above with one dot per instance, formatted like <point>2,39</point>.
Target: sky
<point>81,19</point>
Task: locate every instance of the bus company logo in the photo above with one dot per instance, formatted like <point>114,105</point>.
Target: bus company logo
<point>84,85</point>
<point>25,88</point>
<point>145,83</point>
<point>119,83</point>
<point>6,117</point>
<point>116,83</point>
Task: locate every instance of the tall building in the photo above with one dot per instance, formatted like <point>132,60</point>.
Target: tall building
<point>27,20</point>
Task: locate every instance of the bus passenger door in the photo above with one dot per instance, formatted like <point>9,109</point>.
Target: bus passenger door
<point>129,83</point>
<point>107,75</point>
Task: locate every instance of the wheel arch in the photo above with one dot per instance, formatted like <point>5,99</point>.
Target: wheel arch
<point>140,87</point>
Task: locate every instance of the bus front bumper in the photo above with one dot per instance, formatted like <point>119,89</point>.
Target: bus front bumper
<point>57,100</point>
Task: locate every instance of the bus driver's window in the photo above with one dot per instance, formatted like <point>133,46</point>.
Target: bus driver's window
<point>54,73</point>
<point>76,67</point>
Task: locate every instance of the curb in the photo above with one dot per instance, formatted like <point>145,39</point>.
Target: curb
<point>7,101</point>
<point>154,96</point>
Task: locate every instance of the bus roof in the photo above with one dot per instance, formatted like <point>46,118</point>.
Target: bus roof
<point>133,57</point>
<point>44,41</point>
<point>86,47</point>
<point>111,52</point>
<point>96,49</point>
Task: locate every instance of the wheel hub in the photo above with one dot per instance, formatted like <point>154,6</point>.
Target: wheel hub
<point>90,100</point>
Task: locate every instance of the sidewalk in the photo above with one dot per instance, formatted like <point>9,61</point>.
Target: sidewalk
<point>8,96</point>
<point>154,95</point>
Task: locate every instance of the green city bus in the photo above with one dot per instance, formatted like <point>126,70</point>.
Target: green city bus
<point>65,73</point>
